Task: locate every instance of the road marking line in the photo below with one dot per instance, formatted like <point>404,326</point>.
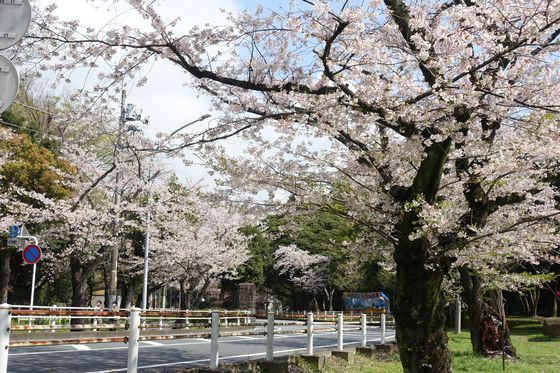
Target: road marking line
<point>81,347</point>
<point>153,343</point>
<point>247,337</point>
<point>230,357</point>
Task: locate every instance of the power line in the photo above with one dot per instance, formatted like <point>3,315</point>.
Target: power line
<point>34,108</point>
<point>30,129</point>
<point>57,116</point>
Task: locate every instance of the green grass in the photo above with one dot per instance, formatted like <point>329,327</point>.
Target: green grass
<point>537,354</point>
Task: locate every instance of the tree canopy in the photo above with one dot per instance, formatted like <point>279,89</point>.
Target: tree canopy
<point>438,123</point>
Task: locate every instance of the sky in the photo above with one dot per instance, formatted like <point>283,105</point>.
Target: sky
<point>165,99</point>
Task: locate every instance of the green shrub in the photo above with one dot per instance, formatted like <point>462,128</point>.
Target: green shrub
<point>551,327</point>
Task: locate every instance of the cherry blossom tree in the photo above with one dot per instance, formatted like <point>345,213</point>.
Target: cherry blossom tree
<point>83,227</point>
<point>32,180</point>
<point>306,271</point>
<point>437,121</point>
<point>194,241</point>
<point>337,240</point>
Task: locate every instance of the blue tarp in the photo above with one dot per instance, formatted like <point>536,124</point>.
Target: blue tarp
<point>354,301</point>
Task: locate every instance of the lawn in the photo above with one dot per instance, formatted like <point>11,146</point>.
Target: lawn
<point>537,354</point>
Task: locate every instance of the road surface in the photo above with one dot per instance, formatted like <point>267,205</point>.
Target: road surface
<point>112,357</point>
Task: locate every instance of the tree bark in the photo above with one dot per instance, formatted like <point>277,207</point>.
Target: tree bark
<point>5,273</point>
<point>79,284</point>
<point>182,295</point>
<point>472,296</point>
<point>315,303</point>
<point>418,309</point>
<point>419,303</point>
<point>524,303</point>
<point>488,334</point>
<point>128,292</point>
<point>79,287</point>
<point>329,292</point>
<point>534,296</point>
<point>497,305</point>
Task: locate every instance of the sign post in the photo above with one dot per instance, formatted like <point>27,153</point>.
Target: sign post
<point>13,231</point>
<point>31,255</point>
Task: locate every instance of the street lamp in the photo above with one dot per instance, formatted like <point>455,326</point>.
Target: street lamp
<point>146,251</point>
<point>148,216</point>
<point>128,114</point>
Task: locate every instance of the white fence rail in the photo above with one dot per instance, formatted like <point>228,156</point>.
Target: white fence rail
<point>136,321</point>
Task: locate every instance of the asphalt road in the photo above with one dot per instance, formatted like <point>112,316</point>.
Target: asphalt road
<point>112,357</point>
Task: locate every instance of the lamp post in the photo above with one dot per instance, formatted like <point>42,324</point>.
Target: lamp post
<point>128,114</point>
<point>146,252</point>
<point>115,250</point>
<point>148,217</point>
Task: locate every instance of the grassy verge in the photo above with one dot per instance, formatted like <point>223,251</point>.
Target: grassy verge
<point>537,354</point>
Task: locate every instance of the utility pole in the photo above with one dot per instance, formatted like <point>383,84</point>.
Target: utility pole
<point>147,251</point>
<point>115,251</point>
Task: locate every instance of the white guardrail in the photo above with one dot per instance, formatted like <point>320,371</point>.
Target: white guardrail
<point>133,321</point>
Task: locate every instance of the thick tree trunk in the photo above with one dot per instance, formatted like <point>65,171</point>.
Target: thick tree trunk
<point>329,297</point>
<point>5,273</point>
<point>106,274</point>
<point>488,333</point>
<point>182,295</point>
<point>129,292</point>
<point>533,299</point>
<point>472,296</point>
<point>79,288</point>
<point>314,303</point>
<point>79,285</point>
<point>524,303</point>
<point>420,319</point>
<point>419,304</point>
<point>497,305</point>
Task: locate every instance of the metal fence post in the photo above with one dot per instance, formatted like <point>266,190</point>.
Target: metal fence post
<point>458,314</point>
<point>5,323</point>
<point>382,328</point>
<point>133,337</point>
<point>52,319</point>
<point>270,336</point>
<point>310,333</point>
<point>363,320</point>
<point>340,329</point>
<point>214,353</point>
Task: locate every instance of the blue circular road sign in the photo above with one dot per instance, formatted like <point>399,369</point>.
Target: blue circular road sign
<point>13,231</point>
<point>31,254</point>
